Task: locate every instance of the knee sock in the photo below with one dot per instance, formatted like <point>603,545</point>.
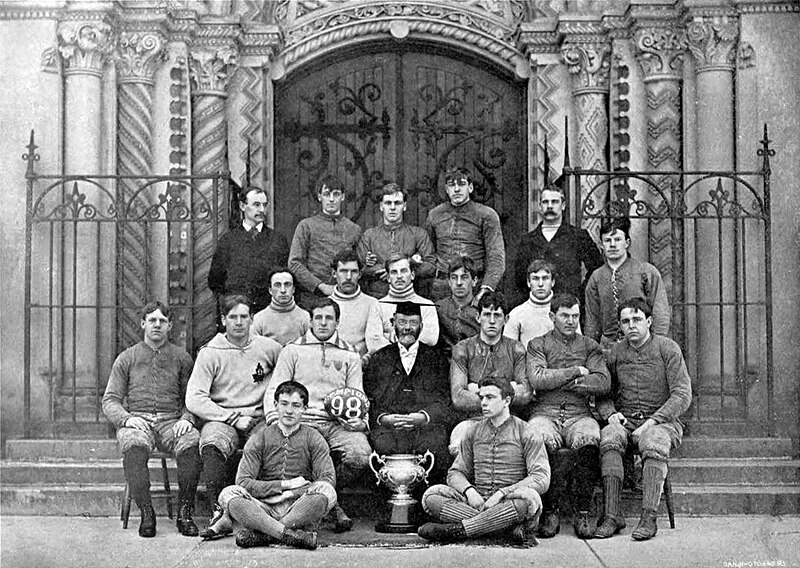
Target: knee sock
<point>448,510</point>
<point>215,473</point>
<point>584,477</point>
<point>653,473</point>
<point>134,464</point>
<point>188,474</point>
<point>306,511</point>
<point>249,513</point>
<point>492,520</point>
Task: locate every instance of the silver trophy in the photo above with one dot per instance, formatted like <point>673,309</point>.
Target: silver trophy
<point>400,472</point>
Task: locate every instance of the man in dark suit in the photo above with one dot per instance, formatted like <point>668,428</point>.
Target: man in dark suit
<point>409,391</point>
<point>556,241</point>
<point>247,254</point>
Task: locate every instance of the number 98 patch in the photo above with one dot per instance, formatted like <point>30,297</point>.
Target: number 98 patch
<point>346,403</point>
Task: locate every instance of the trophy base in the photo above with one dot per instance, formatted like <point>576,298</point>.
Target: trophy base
<point>393,528</point>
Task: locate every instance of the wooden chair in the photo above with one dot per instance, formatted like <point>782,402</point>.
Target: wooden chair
<point>165,493</point>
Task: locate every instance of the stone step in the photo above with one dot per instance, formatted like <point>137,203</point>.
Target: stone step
<point>737,499</point>
<point>734,447</point>
<point>77,450</point>
<point>718,428</point>
<point>735,471</point>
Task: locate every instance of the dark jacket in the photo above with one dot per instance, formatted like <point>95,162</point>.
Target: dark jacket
<point>426,388</point>
<point>569,248</point>
<point>242,263</point>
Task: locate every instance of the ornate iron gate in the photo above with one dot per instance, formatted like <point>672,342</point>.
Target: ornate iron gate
<point>720,283</point>
<point>403,116</point>
<point>87,237</point>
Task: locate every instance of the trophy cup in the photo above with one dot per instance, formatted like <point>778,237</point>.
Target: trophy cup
<point>399,473</point>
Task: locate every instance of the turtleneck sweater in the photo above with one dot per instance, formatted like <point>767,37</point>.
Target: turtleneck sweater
<point>380,330</point>
<point>355,309</point>
<point>282,323</point>
<point>530,319</point>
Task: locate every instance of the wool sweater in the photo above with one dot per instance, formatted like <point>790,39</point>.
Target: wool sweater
<point>380,330</point>
<point>355,309</point>
<point>282,323</point>
<point>528,320</point>
<point>316,241</point>
<point>222,387</point>
<point>321,366</point>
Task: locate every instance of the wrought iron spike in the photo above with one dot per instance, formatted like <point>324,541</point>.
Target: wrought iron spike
<point>31,156</point>
<point>765,152</point>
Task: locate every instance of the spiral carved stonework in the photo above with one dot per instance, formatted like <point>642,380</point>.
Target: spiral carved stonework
<point>210,72</point>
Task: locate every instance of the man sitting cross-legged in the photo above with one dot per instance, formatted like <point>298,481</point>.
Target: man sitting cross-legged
<point>285,480</point>
<point>565,370</point>
<point>497,478</point>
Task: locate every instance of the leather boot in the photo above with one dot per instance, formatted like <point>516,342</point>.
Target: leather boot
<point>613,522</point>
<point>609,527</point>
<point>219,525</point>
<point>524,535</point>
<point>184,522</point>
<point>647,527</point>
<point>147,528</point>
<point>550,524</point>
<point>581,525</point>
<point>342,523</point>
<point>250,538</point>
<point>442,532</point>
<point>299,539</point>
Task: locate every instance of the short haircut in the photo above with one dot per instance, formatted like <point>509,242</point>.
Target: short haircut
<point>319,303</point>
<point>464,262</point>
<point>408,309</point>
<point>345,255</point>
<point>396,257</point>
<point>538,264</point>
<point>563,301</point>
<point>279,270</point>
<point>502,383</point>
<point>390,189</point>
<point>154,305</point>
<point>245,191</point>
<point>329,181</point>
<point>455,174</point>
<point>555,188</point>
<point>492,301</point>
<point>291,387</point>
<point>636,303</point>
<point>611,225</point>
<point>231,301</point>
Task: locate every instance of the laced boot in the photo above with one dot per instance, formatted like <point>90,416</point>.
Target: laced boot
<point>581,525</point>
<point>147,528</point>
<point>299,539</point>
<point>524,534</point>
<point>250,538</point>
<point>647,527</point>
<point>442,532</point>
<point>342,523</point>
<point>550,525</point>
<point>219,525</point>
<point>184,522</point>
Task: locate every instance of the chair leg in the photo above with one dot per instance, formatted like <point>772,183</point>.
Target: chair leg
<point>165,471</point>
<point>668,499</point>
<point>125,512</point>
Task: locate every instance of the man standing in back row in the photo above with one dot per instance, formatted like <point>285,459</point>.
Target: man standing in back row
<point>462,227</point>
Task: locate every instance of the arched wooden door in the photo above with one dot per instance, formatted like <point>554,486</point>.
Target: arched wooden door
<point>403,116</point>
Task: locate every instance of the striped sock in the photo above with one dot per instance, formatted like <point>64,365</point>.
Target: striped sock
<point>611,464</point>
<point>455,512</point>
<point>653,473</point>
<point>612,486</point>
<point>493,520</point>
<point>249,514</point>
<point>306,511</point>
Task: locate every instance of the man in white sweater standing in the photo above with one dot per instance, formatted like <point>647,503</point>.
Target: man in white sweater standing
<point>355,305</point>
<point>226,390</point>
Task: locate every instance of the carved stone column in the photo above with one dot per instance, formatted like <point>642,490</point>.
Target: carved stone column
<point>210,70</point>
<point>85,42</point>
<point>588,63</point>
<point>140,52</point>
<point>712,41</point>
<point>659,50</point>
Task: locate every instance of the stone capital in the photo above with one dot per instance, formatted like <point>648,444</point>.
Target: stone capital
<point>713,41</point>
<point>85,46</point>
<point>211,68</point>
<point>588,63</point>
<point>138,56</point>
<point>660,50</point>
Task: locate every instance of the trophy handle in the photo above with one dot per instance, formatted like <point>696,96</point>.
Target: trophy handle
<point>379,460</point>
<point>428,456</point>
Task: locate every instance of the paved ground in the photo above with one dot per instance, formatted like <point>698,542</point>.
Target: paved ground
<point>724,542</point>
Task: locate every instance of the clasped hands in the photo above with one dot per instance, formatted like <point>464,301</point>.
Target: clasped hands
<point>180,427</point>
<point>404,421</point>
<point>478,503</point>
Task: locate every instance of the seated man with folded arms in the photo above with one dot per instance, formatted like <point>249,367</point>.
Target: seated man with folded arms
<point>144,399</point>
<point>226,391</point>
<point>282,320</point>
<point>323,363</point>
<point>407,385</point>
<point>380,331</point>
<point>488,354</point>
<point>497,479</point>
<point>458,318</point>
<point>650,390</point>
<point>284,485</point>
<point>566,370</point>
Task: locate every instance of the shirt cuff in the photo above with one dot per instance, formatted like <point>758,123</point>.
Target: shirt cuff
<point>427,417</point>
